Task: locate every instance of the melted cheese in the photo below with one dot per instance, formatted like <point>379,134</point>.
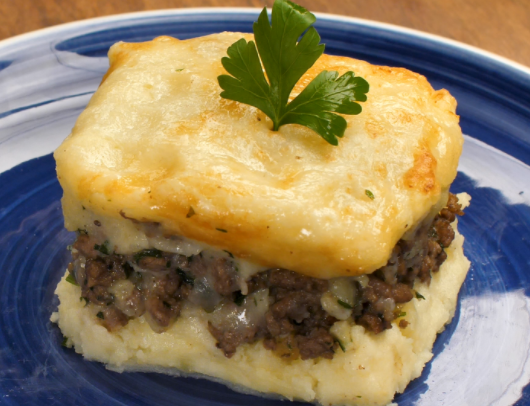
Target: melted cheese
<point>157,143</point>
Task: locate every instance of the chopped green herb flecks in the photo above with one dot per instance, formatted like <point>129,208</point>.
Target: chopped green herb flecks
<point>239,298</point>
<point>103,248</point>
<point>342,347</point>
<point>179,70</point>
<point>401,314</point>
<point>344,304</point>
<point>286,55</point>
<point>128,270</point>
<point>187,279</point>
<point>229,253</point>
<point>432,233</point>
<point>419,296</point>
<point>222,230</point>
<point>369,194</point>
<point>100,315</point>
<point>64,343</point>
<point>191,212</point>
<point>71,279</point>
<point>152,252</point>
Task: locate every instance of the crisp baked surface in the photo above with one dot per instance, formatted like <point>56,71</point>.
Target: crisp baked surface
<point>369,372</point>
<point>156,140</point>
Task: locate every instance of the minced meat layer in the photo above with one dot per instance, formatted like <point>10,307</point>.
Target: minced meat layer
<point>283,308</point>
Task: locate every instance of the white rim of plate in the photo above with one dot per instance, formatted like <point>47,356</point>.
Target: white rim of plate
<point>249,10</point>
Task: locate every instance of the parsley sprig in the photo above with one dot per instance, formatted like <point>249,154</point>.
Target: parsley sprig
<point>285,60</point>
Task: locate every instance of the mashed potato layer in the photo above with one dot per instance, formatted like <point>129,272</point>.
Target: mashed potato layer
<point>370,371</point>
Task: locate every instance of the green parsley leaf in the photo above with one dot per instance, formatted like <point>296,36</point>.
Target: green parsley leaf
<point>222,230</point>
<point>285,61</point>
<point>100,315</point>
<point>401,314</point>
<point>64,343</point>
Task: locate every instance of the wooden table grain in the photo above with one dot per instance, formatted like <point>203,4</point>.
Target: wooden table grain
<point>499,26</point>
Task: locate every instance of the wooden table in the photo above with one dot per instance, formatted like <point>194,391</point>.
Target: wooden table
<point>500,26</point>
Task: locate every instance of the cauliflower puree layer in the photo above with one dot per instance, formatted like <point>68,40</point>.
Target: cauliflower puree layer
<point>370,371</point>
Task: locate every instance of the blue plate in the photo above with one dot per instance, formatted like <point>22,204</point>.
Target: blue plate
<point>47,78</point>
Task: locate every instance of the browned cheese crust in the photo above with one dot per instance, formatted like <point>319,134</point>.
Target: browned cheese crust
<point>157,143</point>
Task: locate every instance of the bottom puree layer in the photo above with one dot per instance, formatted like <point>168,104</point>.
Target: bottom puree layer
<point>369,371</point>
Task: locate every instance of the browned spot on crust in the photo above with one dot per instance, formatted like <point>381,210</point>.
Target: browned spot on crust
<point>374,128</point>
<point>422,175</point>
<point>400,72</point>
<point>381,170</point>
<point>347,211</point>
<point>442,94</point>
<point>443,99</point>
<point>229,105</point>
<point>84,187</point>
<point>112,68</point>
<point>402,117</point>
<point>121,53</point>
<point>118,56</point>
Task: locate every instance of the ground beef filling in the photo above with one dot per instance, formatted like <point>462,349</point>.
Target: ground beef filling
<point>290,312</point>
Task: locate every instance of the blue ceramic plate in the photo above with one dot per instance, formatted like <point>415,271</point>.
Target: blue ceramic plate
<point>47,78</point>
